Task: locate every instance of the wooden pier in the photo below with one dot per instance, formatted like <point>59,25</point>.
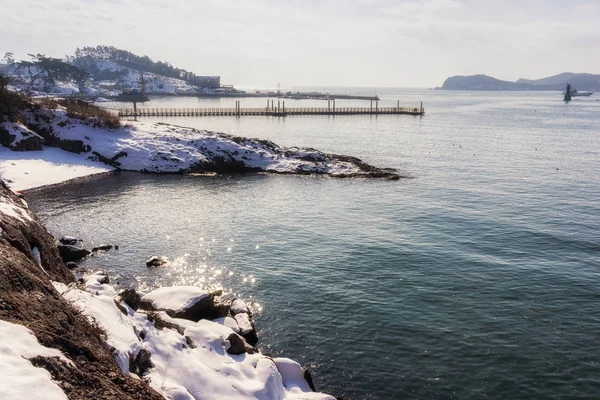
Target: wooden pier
<point>271,110</point>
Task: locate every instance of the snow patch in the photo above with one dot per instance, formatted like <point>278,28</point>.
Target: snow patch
<point>9,208</point>
<point>29,169</point>
<point>228,322</point>
<point>20,379</point>
<point>239,306</point>
<point>177,298</point>
<point>37,257</point>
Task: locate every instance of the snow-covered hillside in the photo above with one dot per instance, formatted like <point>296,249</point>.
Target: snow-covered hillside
<point>108,79</point>
<point>121,77</point>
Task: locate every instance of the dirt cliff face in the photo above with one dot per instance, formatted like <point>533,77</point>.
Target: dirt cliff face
<point>29,261</point>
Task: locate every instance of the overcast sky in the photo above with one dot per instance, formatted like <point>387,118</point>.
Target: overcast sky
<point>321,43</point>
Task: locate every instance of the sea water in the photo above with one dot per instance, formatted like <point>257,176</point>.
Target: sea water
<point>477,277</point>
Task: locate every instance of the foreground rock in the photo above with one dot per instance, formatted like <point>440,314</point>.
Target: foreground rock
<point>18,137</point>
<point>69,252</point>
<point>27,297</point>
<point>155,261</point>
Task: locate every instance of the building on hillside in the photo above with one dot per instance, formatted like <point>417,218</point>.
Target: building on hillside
<point>208,81</point>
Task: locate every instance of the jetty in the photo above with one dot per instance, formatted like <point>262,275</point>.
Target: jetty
<point>271,110</point>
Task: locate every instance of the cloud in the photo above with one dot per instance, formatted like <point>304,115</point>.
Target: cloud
<point>320,42</point>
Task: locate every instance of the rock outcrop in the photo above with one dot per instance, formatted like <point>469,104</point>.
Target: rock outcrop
<point>70,252</point>
<point>155,261</point>
<point>17,137</point>
<point>27,297</point>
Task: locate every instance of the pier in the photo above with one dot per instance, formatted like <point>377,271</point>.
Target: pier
<point>272,110</point>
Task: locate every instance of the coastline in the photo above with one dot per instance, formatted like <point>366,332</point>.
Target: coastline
<point>52,148</point>
<point>79,151</point>
<point>131,337</point>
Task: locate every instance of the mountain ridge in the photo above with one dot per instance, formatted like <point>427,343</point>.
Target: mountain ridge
<point>582,81</point>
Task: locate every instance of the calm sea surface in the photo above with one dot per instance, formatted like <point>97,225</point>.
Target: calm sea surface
<point>479,277</point>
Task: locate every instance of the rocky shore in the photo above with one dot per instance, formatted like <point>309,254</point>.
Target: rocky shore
<point>163,148</point>
<point>81,339</point>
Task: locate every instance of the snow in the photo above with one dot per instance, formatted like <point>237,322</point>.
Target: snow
<point>29,169</point>
<point>155,147</point>
<point>177,298</point>
<point>18,130</point>
<point>20,379</point>
<point>160,147</point>
<point>189,366</point>
<point>228,322</point>
<point>37,256</point>
<point>9,208</point>
<point>101,309</point>
<point>292,374</point>
<point>239,306</point>
<point>243,321</point>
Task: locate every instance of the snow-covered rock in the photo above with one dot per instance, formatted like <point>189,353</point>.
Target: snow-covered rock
<point>185,302</point>
<point>175,299</point>
<point>239,306</point>
<point>191,360</point>
<point>11,208</point>
<point>228,322</point>
<point>17,136</point>
<point>159,147</point>
<point>293,374</point>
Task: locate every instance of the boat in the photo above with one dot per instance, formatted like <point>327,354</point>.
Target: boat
<point>134,95</point>
<point>582,93</point>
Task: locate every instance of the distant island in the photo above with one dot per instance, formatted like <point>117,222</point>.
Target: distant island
<point>581,81</point>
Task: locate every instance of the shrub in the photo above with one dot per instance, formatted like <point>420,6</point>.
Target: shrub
<point>89,113</point>
<point>11,103</point>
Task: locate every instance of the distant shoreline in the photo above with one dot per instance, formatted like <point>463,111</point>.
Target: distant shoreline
<point>480,82</point>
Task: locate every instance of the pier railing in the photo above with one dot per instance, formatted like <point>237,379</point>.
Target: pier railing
<point>267,111</point>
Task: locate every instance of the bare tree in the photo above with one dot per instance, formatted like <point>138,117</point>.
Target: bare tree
<point>9,58</point>
<point>48,70</point>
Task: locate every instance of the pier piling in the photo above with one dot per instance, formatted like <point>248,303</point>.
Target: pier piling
<point>271,110</point>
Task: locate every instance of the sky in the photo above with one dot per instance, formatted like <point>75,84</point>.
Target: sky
<point>373,43</point>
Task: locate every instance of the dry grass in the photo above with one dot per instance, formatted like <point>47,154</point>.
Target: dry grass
<point>11,105</point>
<point>87,112</point>
<point>91,114</point>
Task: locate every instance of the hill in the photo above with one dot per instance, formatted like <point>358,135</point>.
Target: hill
<point>102,71</point>
<point>481,82</point>
<point>582,81</point>
<point>109,63</point>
